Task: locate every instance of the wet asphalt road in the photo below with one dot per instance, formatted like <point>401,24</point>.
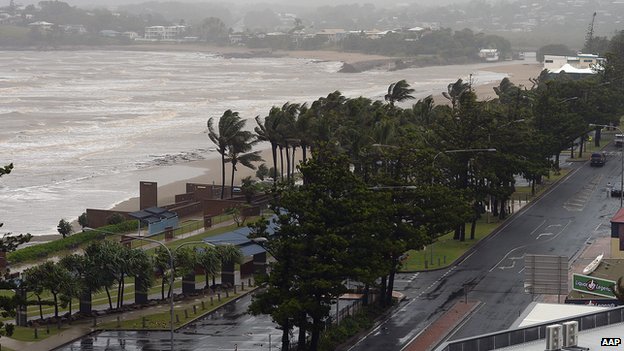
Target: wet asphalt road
<point>560,223</point>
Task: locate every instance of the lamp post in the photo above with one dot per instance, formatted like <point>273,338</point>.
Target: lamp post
<point>171,277</point>
<point>621,161</point>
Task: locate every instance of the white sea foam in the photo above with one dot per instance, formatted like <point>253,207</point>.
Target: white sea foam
<point>83,127</point>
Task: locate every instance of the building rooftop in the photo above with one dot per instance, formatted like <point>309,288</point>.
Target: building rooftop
<point>538,313</point>
<point>589,338</point>
<point>592,327</point>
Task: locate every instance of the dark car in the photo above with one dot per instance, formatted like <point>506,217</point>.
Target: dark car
<point>598,159</point>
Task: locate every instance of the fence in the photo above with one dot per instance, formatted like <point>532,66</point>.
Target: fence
<point>350,310</point>
<point>507,338</point>
<point>186,227</point>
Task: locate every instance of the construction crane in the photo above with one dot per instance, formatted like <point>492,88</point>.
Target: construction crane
<point>589,37</point>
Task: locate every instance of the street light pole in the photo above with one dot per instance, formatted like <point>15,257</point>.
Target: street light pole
<point>457,152</point>
<point>171,276</point>
<point>621,161</point>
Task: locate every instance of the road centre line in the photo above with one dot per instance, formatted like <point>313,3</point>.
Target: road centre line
<point>501,229</point>
<point>545,241</point>
<point>530,205</point>
<point>516,248</point>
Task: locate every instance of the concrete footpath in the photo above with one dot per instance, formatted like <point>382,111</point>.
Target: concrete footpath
<point>84,327</point>
<point>437,331</point>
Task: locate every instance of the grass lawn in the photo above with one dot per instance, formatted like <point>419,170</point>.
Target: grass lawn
<point>523,193</point>
<point>446,250</point>
<point>28,334</point>
<point>605,139</point>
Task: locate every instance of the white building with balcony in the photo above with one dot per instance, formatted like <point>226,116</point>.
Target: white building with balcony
<point>165,32</point>
<point>585,62</point>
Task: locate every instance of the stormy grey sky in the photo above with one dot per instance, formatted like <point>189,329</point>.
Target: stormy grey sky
<point>310,3</point>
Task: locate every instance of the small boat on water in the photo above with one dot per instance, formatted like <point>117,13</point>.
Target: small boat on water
<point>593,265</point>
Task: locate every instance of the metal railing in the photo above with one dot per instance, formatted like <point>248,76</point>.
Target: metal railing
<point>518,336</point>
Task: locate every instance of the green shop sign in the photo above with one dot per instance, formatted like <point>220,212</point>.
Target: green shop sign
<point>592,285</point>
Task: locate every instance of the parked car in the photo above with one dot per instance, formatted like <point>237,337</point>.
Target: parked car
<point>619,140</point>
<point>598,159</point>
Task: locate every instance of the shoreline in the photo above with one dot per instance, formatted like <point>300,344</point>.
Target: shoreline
<point>519,74</point>
<point>353,62</point>
<point>224,51</point>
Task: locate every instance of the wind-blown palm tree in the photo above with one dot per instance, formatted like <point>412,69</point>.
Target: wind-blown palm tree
<point>229,253</point>
<point>267,131</point>
<point>399,91</point>
<point>454,91</point>
<point>230,124</point>
<point>288,132</point>
<point>423,111</point>
<point>210,261</point>
<point>304,126</point>
<point>163,266</point>
<point>238,152</point>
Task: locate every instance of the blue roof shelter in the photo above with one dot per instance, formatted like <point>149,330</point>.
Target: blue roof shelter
<point>156,218</point>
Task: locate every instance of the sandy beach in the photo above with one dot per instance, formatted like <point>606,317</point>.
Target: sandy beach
<point>518,72</point>
<point>111,122</point>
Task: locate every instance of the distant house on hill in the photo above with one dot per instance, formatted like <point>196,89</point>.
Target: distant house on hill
<point>74,28</point>
<point>109,33</point>
<point>332,35</point>
<point>580,64</point>
<point>165,32</point>
<point>130,35</point>
<point>41,25</point>
<point>489,55</point>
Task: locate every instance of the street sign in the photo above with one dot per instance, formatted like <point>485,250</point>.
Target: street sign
<point>592,285</point>
<point>545,274</point>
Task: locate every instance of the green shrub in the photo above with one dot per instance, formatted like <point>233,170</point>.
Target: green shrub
<point>349,327</point>
<point>10,328</point>
<point>115,218</point>
<point>41,251</point>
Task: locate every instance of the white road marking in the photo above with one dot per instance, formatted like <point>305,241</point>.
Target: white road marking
<point>514,249</point>
<point>544,234</point>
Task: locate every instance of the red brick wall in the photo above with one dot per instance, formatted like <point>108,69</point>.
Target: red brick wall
<point>189,209</point>
<point>148,195</point>
<point>216,207</point>
<point>98,218</point>
<point>183,197</point>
